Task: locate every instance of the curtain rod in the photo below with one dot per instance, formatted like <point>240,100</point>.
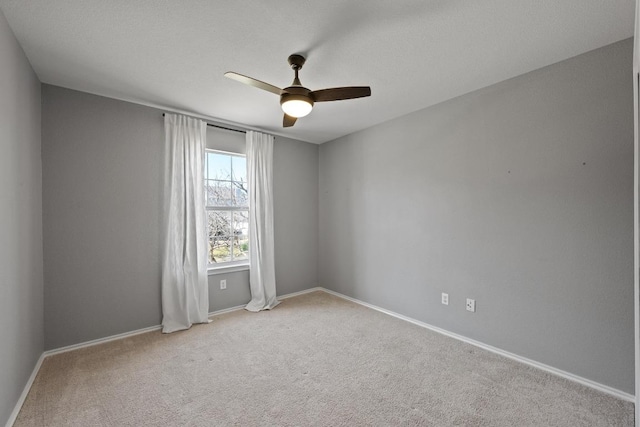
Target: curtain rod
<point>221,127</point>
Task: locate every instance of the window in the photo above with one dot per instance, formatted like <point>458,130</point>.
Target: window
<point>227,203</point>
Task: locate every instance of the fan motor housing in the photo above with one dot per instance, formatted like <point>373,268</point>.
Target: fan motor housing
<point>292,93</point>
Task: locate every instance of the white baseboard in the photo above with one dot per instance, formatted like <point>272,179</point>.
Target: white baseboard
<point>158,327</point>
<point>306,291</point>
<point>564,374</point>
<point>227,310</point>
<point>101,340</point>
<point>25,392</point>
<point>584,381</point>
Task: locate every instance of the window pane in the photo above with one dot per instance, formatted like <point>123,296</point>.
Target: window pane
<point>240,249</point>
<point>239,169</point>
<point>240,193</point>
<point>219,166</point>
<point>209,192</point>
<point>219,193</point>
<point>209,172</point>
<point>219,223</point>
<point>241,224</point>
<point>220,249</point>
<point>241,235</point>
<point>211,258</point>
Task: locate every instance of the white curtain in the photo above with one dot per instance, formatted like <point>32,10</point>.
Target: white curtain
<point>185,291</point>
<point>262,273</point>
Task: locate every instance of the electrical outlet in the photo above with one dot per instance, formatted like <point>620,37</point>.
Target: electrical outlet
<point>471,305</point>
<point>445,298</point>
<point>223,284</point>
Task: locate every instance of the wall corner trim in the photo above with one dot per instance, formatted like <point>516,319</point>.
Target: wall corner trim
<point>25,392</point>
<point>550,369</point>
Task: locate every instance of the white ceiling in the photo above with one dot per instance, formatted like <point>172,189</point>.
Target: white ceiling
<point>413,53</point>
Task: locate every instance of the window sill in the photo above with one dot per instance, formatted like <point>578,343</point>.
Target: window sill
<point>223,269</point>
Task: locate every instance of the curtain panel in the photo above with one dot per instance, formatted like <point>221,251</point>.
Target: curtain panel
<point>262,274</point>
<point>185,290</point>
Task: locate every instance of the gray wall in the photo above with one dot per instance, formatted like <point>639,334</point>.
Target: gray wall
<point>295,195</point>
<point>102,174</point>
<point>102,166</point>
<point>519,195</point>
<point>21,335</point>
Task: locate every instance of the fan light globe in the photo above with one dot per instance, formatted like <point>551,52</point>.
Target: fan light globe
<point>296,107</point>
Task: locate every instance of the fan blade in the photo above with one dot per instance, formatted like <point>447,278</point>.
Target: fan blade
<point>288,121</point>
<point>253,82</point>
<point>339,93</point>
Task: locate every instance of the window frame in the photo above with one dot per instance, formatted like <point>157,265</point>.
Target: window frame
<point>227,266</point>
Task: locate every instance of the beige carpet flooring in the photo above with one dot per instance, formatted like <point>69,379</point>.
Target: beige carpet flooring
<point>315,360</point>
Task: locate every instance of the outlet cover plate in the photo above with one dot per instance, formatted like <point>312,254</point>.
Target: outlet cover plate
<point>445,298</point>
<point>223,284</point>
<point>471,305</point>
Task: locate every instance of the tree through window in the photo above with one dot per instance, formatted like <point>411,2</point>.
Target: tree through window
<point>227,203</point>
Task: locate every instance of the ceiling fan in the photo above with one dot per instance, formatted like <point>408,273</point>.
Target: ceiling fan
<point>296,100</point>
